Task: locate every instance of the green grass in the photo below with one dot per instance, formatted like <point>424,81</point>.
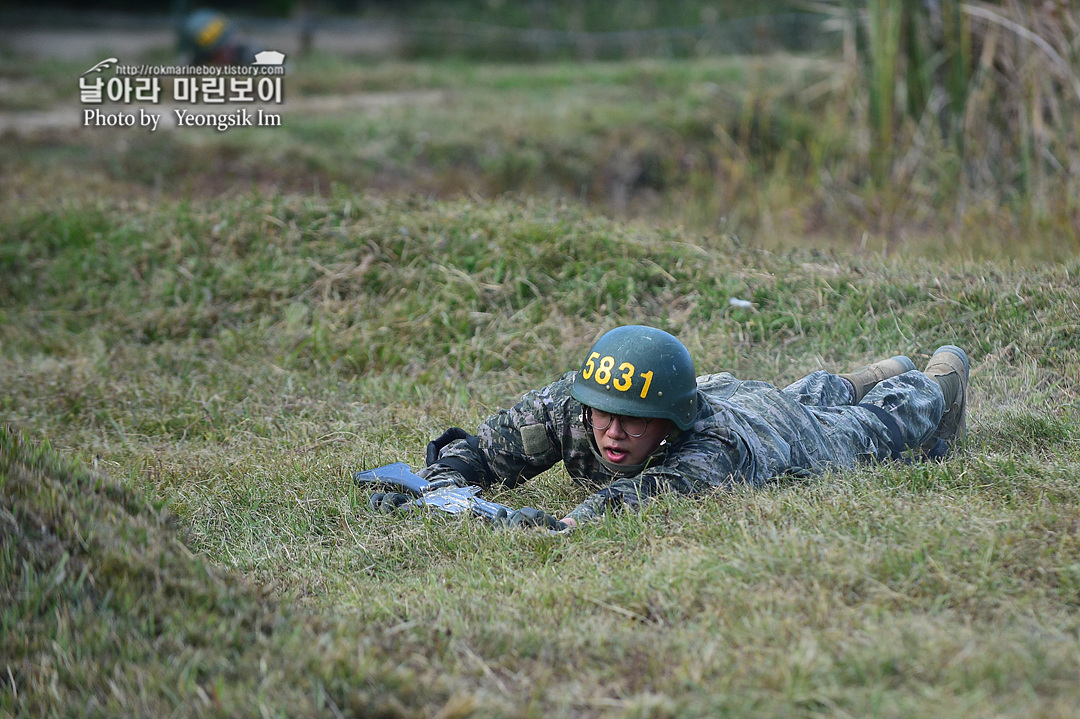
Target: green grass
<point>106,612</point>
<point>203,335</point>
<point>228,364</point>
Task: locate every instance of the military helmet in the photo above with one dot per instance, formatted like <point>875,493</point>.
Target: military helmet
<point>639,371</point>
<point>205,31</point>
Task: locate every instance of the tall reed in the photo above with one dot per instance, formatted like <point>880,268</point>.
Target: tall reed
<point>980,99</point>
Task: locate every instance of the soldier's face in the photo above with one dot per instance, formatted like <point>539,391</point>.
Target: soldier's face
<point>618,447</point>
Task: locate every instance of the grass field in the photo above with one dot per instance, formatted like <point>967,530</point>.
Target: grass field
<point>203,335</point>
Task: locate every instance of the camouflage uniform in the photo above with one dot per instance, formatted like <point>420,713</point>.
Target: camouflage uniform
<point>744,432</point>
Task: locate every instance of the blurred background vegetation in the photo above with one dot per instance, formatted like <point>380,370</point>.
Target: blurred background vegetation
<point>571,14</point>
<point>837,120</point>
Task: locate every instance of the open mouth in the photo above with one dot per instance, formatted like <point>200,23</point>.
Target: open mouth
<point>614,455</point>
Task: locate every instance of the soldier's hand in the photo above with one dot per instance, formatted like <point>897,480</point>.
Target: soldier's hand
<point>532,517</point>
<point>441,476</point>
<point>438,476</point>
<point>387,502</point>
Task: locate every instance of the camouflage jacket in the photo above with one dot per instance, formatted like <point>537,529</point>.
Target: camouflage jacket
<point>744,432</point>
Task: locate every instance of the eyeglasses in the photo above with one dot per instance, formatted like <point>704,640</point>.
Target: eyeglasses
<point>601,420</point>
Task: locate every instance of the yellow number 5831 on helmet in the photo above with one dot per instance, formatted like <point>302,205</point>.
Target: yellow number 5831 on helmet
<point>639,371</point>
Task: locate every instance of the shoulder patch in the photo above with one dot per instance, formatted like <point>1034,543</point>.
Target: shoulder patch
<point>534,439</point>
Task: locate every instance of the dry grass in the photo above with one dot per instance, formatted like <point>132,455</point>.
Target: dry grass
<point>202,337</point>
<point>233,362</point>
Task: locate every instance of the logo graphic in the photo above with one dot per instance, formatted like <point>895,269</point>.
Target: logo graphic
<point>103,65</point>
<point>269,57</point>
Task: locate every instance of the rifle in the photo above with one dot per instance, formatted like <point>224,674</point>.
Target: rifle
<point>443,495</point>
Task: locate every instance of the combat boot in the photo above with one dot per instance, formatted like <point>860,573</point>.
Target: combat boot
<point>863,379</point>
<point>949,367</point>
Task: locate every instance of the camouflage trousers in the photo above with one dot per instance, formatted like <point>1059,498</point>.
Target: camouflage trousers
<point>898,413</point>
